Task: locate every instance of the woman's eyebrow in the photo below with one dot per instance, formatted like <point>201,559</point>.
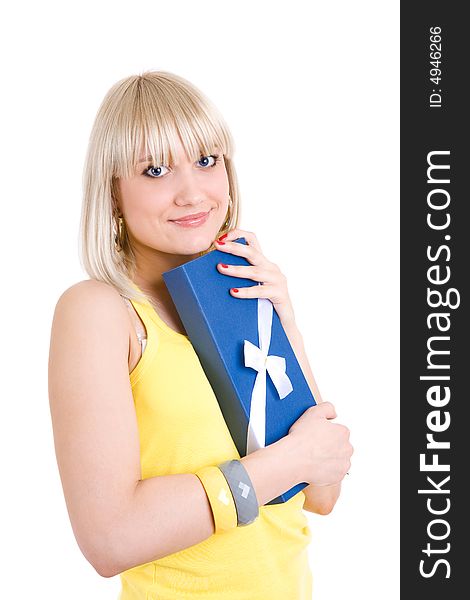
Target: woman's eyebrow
<point>147,158</point>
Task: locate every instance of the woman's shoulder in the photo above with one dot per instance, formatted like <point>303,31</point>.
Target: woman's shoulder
<point>92,297</point>
<point>90,288</point>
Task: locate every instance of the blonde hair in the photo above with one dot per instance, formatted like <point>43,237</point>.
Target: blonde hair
<point>142,113</point>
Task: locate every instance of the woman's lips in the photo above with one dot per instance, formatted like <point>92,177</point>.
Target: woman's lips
<point>194,220</point>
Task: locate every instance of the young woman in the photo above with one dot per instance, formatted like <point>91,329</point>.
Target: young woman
<point>141,444</point>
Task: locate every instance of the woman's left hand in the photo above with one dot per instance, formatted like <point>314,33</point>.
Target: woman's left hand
<point>274,282</point>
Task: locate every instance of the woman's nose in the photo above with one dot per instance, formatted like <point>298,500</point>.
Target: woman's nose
<point>188,191</point>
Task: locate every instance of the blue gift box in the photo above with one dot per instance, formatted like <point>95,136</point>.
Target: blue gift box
<point>229,333</point>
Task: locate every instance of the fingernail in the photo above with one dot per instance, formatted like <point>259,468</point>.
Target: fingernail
<point>222,237</point>
<point>234,290</point>
<point>219,242</point>
<point>224,266</point>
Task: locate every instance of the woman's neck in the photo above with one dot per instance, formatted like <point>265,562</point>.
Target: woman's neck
<point>160,298</point>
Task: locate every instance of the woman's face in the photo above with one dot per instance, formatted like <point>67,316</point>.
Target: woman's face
<point>155,199</point>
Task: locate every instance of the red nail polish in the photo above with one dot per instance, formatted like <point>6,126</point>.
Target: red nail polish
<point>224,266</point>
<point>222,237</point>
<point>234,290</point>
<point>219,242</point>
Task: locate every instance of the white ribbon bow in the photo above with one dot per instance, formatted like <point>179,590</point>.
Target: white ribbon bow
<point>258,359</point>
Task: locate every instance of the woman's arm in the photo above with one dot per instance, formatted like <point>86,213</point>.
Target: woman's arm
<point>319,500</point>
<point>119,520</point>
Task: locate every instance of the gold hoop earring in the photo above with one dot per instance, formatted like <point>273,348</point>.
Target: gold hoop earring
<point>118,237</point>
<point>229,213</point>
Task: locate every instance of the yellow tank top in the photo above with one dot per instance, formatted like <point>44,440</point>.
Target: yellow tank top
<point>182,429</point>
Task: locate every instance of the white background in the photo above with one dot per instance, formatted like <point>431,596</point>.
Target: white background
<point>310,92</point>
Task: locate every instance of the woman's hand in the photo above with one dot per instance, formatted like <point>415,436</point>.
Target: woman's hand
<point>273,281</point>
<point>323,448</point>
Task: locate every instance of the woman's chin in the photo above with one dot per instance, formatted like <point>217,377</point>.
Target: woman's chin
<point>196,246</point>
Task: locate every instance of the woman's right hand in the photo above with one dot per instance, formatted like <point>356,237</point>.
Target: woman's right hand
<point>322,448</point>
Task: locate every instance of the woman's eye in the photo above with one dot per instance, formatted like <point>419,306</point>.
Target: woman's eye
<point>204,161</point>
<point>155,172</point>
<point>208,161</point>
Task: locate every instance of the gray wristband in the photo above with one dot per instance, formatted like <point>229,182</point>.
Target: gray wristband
<point>242,490</point>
